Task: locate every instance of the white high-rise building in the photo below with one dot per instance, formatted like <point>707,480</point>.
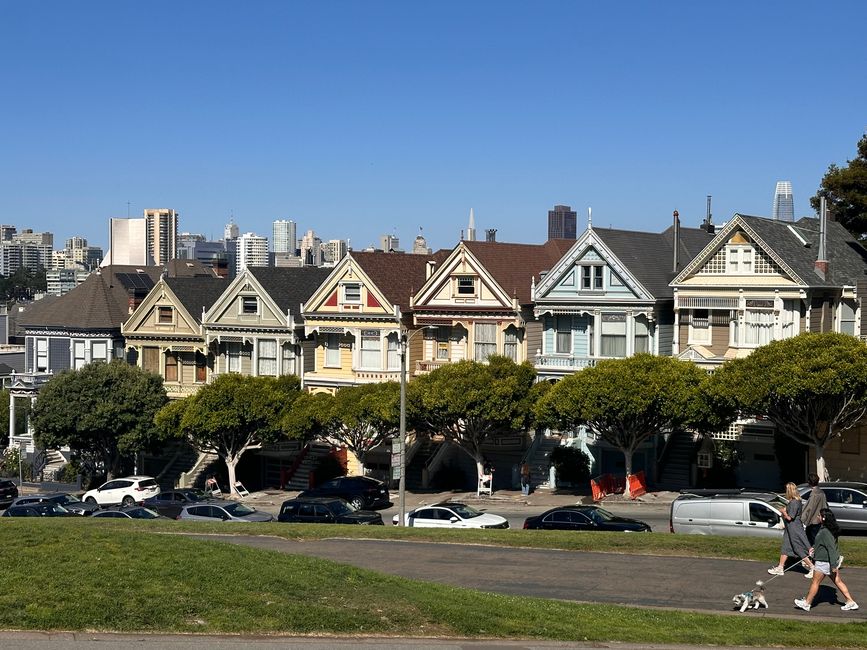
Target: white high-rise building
<point>252,251</point>
<point>161,232</point>
<point>784,203</point>
<point>231,231</point>
<point>284,235</point>
<point>126,242</point>
<point>311,249</point>
<point>333,251</point>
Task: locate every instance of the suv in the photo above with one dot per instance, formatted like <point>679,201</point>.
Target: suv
<point>727,512</point>
<point>69,502</point>
<point>8,492</point>
<point>124,491</point>
<point>361,492</point>
<point>321,510</point>
<point>848,502</point>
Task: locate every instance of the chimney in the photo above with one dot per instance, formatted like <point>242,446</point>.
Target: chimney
<point>491,235</point>
<point>429,269</point>
<point>821,264</point>
<point>676,246</point>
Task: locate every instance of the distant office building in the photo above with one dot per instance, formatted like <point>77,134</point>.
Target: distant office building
<point>126,242</point>
<point>6,232</point>
<point>27,236</point>
<point>562,222</point>
<point>161,235</point>
<point>287,260</point>
<point>419,246</point>
<point>22,254</point>
<point>311,249</point>
<point>333,251</point>
<point>389,243</point>
<point>78,253</point>
<point>252,251</point>
<point>61,281</point>
<point>784,203</point>
<point>211,254</point>
<point>284,236</point>
<point>231,230</point>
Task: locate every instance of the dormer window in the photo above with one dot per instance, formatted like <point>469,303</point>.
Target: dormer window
<point>249,305</point>
<point>165,315</point>
<point>352,292</point>
<point>591,278</point>
<point>466,285</point>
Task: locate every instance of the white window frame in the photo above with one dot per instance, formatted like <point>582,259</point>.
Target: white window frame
<point>567,332</point>
<point>482,349</point>
<point>79,354</point>
<point>287,359</point>
<point>243,305</point>
<point>510,343</point>
<point>392,353</point>
<point>640,320</point>
<point>607,323</point>
<point>757,322</point>
<point>443,343</point>
<point>332,350</point>
<point>40,352</point>
<point>739,259</point>
<point>700,335</point>
<point>592,277</point>
<point>852,320</point>
<point>346,296</point>
<point>266,358</point>
<point>233,356</point>
<point>99,355</point>
<point>370,350</point>
<point>469,282</point>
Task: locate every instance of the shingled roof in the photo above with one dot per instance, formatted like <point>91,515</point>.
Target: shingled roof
<point>397,275</point>
<point>197,294</point>
<point>290,287</point>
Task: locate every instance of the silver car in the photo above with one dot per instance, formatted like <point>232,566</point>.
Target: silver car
<point>848,502</point>
<point>222,511</point>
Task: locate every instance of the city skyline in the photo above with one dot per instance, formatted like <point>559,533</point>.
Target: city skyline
<point>404,117</point>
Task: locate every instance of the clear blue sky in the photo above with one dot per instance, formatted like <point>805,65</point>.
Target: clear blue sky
<point>364,118</point>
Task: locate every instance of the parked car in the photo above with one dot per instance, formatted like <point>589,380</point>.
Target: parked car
<point>127,512</point>
<point>727,512</point>
<point>43,509</point>
<point>72,503</point>
<point>123,491</point>
<point>322,510</point>
<point>8,492</point>
<point>584,518</point>
<point>170,502</point>
<point>450,514</point>
<point>848,502</point>
<point>222,511</point>
<point>361,492</point>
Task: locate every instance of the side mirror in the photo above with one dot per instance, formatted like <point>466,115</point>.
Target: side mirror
<point>454,520</point>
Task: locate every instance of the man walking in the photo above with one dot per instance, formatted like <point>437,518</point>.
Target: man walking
<point>810,514</point>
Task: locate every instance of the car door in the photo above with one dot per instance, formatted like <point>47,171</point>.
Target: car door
<point>851,510</point>
<point>322,515</point>
<point>425,518</point>
<point>306,513</point>
<point>116,492</point>
<point>289,512</point>
<point>764,520</point>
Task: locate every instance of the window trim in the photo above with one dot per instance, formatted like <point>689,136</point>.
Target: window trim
<point>692,339</point>
<point>244,303</point>
<point>176,366</point>
<point>164,311</point>
<point>346,300</point>
<point>460,292</point>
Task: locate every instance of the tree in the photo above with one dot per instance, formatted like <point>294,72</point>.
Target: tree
<point>360,418</point>
<point>470,402</point>
<point>232,415</point>
<point>625,401</point>
<point>104,412</point>
<point>812,387</point>
<point>845,190</point>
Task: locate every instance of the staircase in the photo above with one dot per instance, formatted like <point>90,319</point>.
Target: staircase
<point>182,460</point>
<point>539,474</point>
<point>193,477</point>
<point>54,462</point>
<point>676,462</point>
<point>415,472</point>
<point>312,453</point>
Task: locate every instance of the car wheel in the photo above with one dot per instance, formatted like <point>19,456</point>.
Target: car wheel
<point>127,501</point>
<point>90,500</point>
<point>357,503</point>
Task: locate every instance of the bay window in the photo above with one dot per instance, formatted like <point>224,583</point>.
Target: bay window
<point>266,358</point>
<point>371,350</point>
<point>613,336</point>
<point>485,340</point>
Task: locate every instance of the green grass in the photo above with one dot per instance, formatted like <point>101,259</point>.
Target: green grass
<point>109,576</point>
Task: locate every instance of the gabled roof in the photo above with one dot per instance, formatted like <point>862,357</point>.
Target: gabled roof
<point>196,294</point>
<point>290,287</point>
<point>397,275</point>
<point>514,266</point>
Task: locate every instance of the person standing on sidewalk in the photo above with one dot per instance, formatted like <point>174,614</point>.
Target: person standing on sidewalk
<point>827,561</point>
<point>525,478</point>
<point>795,543</point>
<point>810,513</point>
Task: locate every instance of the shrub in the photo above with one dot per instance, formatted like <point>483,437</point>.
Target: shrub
<point>572,465</point>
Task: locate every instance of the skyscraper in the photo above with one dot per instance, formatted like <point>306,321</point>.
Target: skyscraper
<point>562,222</point>
<point>161,235</point>
<point>252,251</point>
<point>126,242</point>
<point>284,237</point>
<point>784,203</point>
<point>471,227</point>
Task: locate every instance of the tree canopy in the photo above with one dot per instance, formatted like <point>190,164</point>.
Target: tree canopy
<point>812,387</point>
<point>845,190</point>
<point>104,412</point>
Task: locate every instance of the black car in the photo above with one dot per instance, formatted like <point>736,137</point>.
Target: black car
<point>361,492</point>
<point>8,492</point>
<point>170,502</point>
<point>322,510</point>
<point>584,518</point>
<point>75,505</point>
<point>127,512</point>
<point>42,509</point>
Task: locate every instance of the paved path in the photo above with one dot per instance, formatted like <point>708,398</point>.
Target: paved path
<point>646,581</point>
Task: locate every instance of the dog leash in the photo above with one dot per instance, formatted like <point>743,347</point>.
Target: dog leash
<point>779,575</point>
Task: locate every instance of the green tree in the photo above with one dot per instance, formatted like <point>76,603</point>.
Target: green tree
<point>625,401</point>
<point>812,387</point>
<point>104,412</point>
<point>232,415</point>
<point>845,190</point>
<point>470,402</point>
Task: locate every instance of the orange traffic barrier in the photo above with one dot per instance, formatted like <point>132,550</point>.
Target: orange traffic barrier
<point>596,487</point>
<point>637,485</point>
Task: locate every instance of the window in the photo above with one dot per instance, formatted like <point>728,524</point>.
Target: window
<point>642,335</point>
<point>563,335</point>
<point>740,259</point>
<point>249,305</point>
<point>443,336</point>
<point>332,350</point>
<point>266,358</point>
<point>510,344</point>
<point>201,367</point>
<point>789,318</point>
<point>847,317</point>
<point>352,292</point>
<point>613,341</point>
<point>393,354</point>
<point>99,351</point>
<point>288,360</point>
<point>171,367</point>
<point>591,278</point>
<point>41,355</point>
<point>371,350</point>
<point>466,286</point>
<point>233,357</point>
<point>79,355</point>
<point>759,327</point>
<point>699,327</point>
<point>486,340</point>
<point>761,513</point>
<point>150,360</point>
<point>165,315</point>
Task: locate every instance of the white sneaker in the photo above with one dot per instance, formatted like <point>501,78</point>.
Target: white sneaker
<point>839,562</point>
<point>803,604</point>
<point>851,605</point>
<point>809,574</point>
<point>776,571</point>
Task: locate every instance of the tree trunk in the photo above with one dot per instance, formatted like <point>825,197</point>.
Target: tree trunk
<point>821,469</point>
<point>231,463</point>
<point>627,463</point>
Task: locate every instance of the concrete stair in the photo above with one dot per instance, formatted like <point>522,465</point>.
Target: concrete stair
<point>539,461</point>
<point>313,453</point>
<point>415,471</point>
<point>676,462</point>
<point>178,459</point>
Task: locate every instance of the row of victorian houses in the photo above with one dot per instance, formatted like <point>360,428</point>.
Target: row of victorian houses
<point>700,294</point>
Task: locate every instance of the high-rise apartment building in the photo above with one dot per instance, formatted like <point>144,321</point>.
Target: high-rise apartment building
<point>333,251</point>
<point>284,236</point>
<point>252,251</point>
<point>6,232</point>
<point>784,203</point>
<point>161,235</point>
<point>231,230</point>
<point>126,242</point>
<point>389,243</point>
<point>562,223</point>
<point>311,249</point>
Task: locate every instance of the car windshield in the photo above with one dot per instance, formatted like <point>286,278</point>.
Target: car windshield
<point>191,496</point>
<point>142,513</point>
<point>602,514</point>
<point>238,509</point>
<point>60,510</point>
<point>341,508</point>
<point>464,512</point>
<point>65,499</point>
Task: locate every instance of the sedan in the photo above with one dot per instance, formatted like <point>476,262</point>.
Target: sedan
<point>45,509</point>
<point>170,502</point>
<point>361,492</point>
<point>75,505</point>
<point>451,515</point>
<point>315,510</point>
<point>848,502</point>
<point>127,512</point>
<point>222,511</point>
<point>584,518</point>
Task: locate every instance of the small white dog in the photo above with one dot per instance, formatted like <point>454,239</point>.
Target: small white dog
<point>754,598</point>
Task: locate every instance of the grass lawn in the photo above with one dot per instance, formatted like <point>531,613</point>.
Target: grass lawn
<point>110,576</point>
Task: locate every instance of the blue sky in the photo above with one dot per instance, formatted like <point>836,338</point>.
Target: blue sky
<point>358,119</point>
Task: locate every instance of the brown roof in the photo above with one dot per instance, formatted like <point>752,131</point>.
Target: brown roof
<point>397,275</point>
<point>514,266</point>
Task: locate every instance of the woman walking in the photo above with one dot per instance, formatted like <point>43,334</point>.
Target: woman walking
<point>795,543</point>
<point>827,560</point>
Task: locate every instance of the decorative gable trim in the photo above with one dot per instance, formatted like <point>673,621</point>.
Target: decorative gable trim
<point>160,293</point>
<point>245,283</point>
<point>328,293</point>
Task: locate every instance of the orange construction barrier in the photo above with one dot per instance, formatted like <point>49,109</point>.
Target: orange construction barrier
<point>596,487</point>
<point>637,485</point>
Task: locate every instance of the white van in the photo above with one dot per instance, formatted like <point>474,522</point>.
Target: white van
<point>729,513</point>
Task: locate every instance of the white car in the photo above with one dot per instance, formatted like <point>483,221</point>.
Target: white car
<point>123,491</point>
<point>451,515</point>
